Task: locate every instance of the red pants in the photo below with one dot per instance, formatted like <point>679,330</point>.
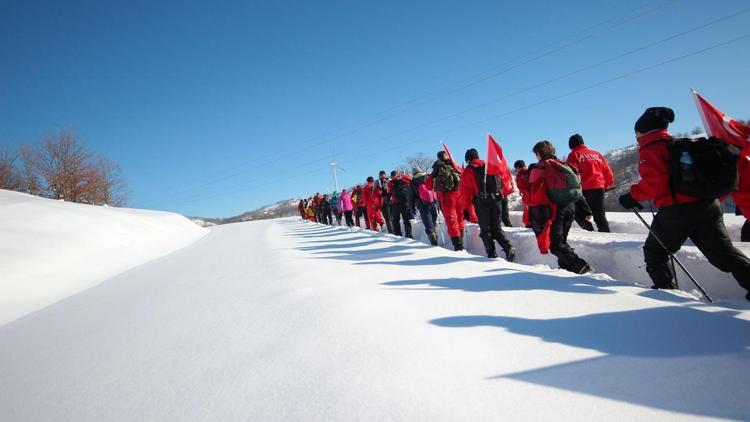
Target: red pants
<point>453,213</point>
<point>376,218</point>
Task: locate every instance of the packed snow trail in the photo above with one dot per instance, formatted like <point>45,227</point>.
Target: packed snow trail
<point>285,320</point>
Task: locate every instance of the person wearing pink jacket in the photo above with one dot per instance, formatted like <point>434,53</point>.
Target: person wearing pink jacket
<point>345,207</point>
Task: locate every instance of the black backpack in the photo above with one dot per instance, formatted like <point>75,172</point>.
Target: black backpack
<point>494,184</point>
<point>703,168</point>
<point>400,190</point>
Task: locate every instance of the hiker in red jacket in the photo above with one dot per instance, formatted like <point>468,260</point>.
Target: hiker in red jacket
<point>374,202</point>
<point>522,181</point>
<point>398,193</point>
<point>551,221</point>
<point>596,177</point>
<point>360,205</point>
<point>444,180</point>
<point>680,216</point>
<point>485,193</point>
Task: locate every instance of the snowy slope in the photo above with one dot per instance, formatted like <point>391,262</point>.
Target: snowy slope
<point>283,320</point>
<point>53,249</point>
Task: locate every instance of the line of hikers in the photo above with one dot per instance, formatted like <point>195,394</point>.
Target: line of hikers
<point>555,193</point>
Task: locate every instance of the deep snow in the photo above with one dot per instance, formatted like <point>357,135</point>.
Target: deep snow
<point>50,249</point>
<point>285,320</point>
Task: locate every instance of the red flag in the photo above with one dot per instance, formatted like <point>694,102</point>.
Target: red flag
<point>719,125</point>
<point>498,166</point>
<point>453,162</point>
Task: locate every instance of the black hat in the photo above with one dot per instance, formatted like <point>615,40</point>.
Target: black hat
<point>575,140</point>
<point>519,164</point>
<point>370,179</point>
<point>471,154</point>
<point>654,118</point>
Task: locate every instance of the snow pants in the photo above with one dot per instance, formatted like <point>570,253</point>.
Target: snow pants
<point>505,212</point>
<point>348,218</point>
<point>362,213</point>
<point>489,211</point>
<point>567,259</point>
<point>595,200</point>
<point>398,212</point>
<point>376,218</point>
<point>452,212</point>
<point>703,223</point>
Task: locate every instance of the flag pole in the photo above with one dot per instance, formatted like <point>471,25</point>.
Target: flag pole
<point>700,111</point>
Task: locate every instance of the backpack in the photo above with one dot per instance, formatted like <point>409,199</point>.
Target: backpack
<point>494,184</point>
<point>703,168</point>
<point>400,190</point>
<point>425,195</point>
<point>562,182</point>
<point>446,178</point>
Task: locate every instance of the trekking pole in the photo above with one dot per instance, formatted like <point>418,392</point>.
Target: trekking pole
<point>690,276</point>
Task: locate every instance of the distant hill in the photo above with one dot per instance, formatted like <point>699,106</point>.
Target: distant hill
<point>285,208</point>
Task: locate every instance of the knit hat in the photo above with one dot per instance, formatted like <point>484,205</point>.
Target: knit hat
<point>575,140</point>
<point>471,154</point>
<point>654,118</point>
<point>519,164</point>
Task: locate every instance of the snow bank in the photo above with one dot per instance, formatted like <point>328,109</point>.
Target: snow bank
<point>618,255</point>
<point>53,249</point>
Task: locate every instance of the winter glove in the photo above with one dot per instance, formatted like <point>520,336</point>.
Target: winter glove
<point>628,202</point>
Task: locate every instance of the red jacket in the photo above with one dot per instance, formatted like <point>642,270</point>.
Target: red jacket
<point>369,199</point>
<point>389,187</point>
<point>742,194</point>
<point>522,181</point>
<point>468,187</point>
<point>595,172</point>
<point>653,166</point>
<point>537,186</point>
<point>360,198</point>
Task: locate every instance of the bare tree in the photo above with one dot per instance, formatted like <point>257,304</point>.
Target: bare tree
<point>9,177</point>
<point>28,178</point>
<point>64,165</point>
<point>110,188</point>
<point>420,160</point>
<point>696,131</point>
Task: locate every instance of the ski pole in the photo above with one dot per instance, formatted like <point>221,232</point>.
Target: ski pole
<point>690,276</point>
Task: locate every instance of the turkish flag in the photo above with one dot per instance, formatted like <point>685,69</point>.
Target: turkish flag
<point>720,125</point>
<point>498,166</point>
<point>453,162</point>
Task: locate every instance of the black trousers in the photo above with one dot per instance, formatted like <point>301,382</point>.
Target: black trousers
<point>594,204</point>
<point>488,213</point>
<point>505,212</point>
<point>567,259</point>
<point>703,223</point>
<point>327,218</point>
<point>349,219</point>
<point>399,211</point>
<point>362,213</point>
<point>386,210</point>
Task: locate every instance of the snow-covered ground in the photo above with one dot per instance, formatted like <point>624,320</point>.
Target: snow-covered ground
<point>618,254</point>
<point>50,250</point>
<point>286,320</point>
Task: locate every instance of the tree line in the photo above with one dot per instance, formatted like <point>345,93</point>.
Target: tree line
<point>62,167</point>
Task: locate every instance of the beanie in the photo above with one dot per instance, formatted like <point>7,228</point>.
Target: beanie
<point>654,118</point>
<point>575,140</point>
<point>471,154</point>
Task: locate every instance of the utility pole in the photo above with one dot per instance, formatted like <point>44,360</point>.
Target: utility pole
<point>335,178</point>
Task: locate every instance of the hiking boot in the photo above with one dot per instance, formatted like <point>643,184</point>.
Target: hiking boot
<point>491,254</point>
<point>433,238</point>
<point>458,243</point>
<point>586,269</point>
<point>510,254</point>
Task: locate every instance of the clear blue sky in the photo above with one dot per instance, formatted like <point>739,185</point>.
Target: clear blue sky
<point>215,108</point>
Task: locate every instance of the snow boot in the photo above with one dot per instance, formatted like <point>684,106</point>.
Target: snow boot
<point>458,243</point>
<point>433,238</point>
<point>510,254</point>
<point>586,269</point>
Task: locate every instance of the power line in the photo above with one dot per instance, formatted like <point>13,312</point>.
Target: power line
<point>488,74</point>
